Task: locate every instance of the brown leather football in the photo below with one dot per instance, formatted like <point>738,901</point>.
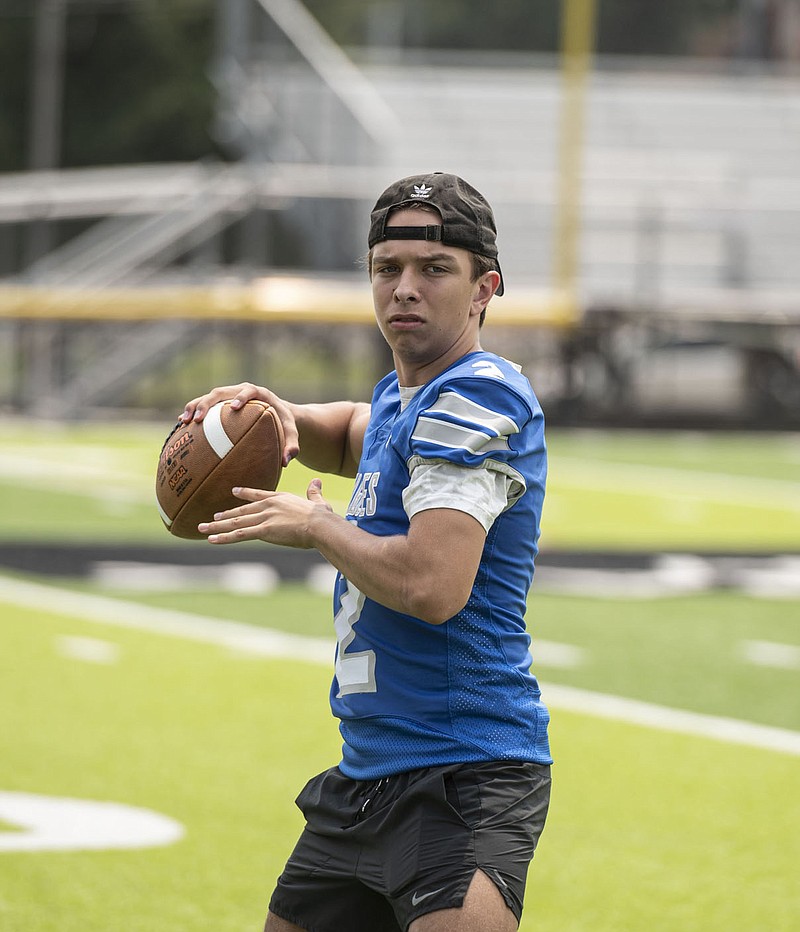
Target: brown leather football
<point>202,461</point>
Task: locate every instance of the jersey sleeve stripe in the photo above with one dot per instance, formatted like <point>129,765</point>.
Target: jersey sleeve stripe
<point>456,437</point>
<point>464,409</point>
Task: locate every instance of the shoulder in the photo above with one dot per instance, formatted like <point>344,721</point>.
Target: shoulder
<point>386,392</point>
<point>486,365</point>
<point>480,407</point>
<point>483,381</point>
<point>387,384</point>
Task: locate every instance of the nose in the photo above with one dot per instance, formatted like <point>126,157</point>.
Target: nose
<point>407,290</point>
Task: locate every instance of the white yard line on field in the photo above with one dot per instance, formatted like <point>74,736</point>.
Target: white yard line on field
<point>90,650</point>
<point>664,718</point>
<point>102,475</point>
<point>268,643</point>
<point>664,482</point>
<point>121,614</point>
<point>771,654</point>
<point>102,479</point>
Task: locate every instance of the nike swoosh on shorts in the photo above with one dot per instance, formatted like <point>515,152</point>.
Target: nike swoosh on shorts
<point>417,898</point>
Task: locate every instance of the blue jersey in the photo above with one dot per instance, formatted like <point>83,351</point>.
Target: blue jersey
<point>410,694</point>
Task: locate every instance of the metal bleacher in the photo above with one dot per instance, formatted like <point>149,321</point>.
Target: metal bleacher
<point>690,181</point>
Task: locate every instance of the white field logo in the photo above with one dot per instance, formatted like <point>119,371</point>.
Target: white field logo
<point>50,823</point>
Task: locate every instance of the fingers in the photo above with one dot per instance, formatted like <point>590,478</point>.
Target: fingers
<point>314,494</point>
<point>275,517</point>
<point>314,491</point>
<point>256,498</point>
<point>241,523</point>
<point>291,437</point>
<point>291,444</point>
<point>239,395</point>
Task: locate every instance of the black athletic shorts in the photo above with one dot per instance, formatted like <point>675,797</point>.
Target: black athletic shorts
<point>376,855</point>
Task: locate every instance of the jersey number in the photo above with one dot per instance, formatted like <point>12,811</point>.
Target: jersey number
<point>355,672</point>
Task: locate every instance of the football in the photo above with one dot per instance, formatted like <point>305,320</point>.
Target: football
<point>202,461</point>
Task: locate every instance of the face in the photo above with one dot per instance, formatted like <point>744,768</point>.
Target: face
<point>427,306</point>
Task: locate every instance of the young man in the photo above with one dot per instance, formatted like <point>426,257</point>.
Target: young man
<point>430,820</point>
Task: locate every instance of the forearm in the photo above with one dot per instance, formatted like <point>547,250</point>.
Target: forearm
<point>427,573</point>
<point>331,435</point>
<point>412,574</point>
<point>327,437</point>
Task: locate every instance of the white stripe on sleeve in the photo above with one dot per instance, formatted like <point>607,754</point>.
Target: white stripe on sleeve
<point>464,409</point>
<point>456,437</point>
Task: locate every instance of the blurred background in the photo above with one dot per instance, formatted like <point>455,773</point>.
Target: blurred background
<point>185,187</point>
<point>184,194</point>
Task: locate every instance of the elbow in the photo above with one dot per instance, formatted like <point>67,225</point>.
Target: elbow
<point>433,603</point>
<point>437,618</point>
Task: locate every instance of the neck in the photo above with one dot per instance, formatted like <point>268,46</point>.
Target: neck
<point>411,373</point>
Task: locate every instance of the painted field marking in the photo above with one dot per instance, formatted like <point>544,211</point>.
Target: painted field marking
<point>75,478</point>
<point>557,654</point>
<point>244,578</point>
<point>90,650</point>
<point>29,466</point>
<point>268,643</point>
<point>688,484</point>
<point>670,574</point>
<point>120,614</point>
<point>771,654</point>
<point>779,578</point>
<point>51,823</point>
<point>664,718</point>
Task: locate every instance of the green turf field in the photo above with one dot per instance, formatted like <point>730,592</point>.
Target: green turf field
<point>685,651</point>
<point>649,829</point>
<point>655,824</point>
<point>636,490</point>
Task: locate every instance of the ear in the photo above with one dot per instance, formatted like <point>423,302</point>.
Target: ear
<point>485,287</point>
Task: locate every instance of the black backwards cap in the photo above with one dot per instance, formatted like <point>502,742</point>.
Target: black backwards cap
<point>467,218</point>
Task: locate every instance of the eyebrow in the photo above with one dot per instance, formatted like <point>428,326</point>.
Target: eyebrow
<point>434,257</point>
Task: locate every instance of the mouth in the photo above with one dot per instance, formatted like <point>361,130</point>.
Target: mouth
<point>405,321</point>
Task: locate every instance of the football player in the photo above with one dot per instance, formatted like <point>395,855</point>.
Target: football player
<point>430,820</point>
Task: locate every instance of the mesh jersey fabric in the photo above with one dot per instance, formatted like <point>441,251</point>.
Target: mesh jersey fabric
<point>409,694</point>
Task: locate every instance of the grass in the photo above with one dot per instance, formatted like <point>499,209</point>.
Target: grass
<point>621,491</point>
<point>682,651</point>
<point>218,742</point>
<point>673,490</point>
<point>647,830</point>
